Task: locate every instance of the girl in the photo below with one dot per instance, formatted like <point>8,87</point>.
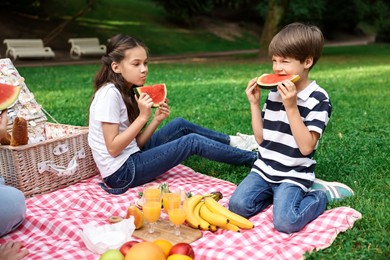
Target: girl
<point>128,152</point>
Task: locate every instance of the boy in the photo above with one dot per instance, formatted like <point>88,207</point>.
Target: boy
<point>287,130</point>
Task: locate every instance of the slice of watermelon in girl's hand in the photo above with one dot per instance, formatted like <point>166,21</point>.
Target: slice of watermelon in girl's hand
<point>8,95</point>
<point>157,92</point>
<point>270,81</point>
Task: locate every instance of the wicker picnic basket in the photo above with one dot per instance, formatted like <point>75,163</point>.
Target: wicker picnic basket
<point>57,155</point>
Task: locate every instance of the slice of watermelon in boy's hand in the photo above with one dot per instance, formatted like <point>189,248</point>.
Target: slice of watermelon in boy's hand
<point>270,81</point>
<point>157,92</point>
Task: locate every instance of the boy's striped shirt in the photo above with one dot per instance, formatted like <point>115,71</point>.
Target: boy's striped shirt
<point>279,157</point>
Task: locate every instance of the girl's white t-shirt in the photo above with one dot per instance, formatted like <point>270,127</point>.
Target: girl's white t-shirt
<point>108,106</point>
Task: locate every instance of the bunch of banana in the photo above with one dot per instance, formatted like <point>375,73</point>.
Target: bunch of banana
<point>206,213</point>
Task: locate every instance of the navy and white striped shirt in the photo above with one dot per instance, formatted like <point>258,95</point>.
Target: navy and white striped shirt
<point>279,157</point>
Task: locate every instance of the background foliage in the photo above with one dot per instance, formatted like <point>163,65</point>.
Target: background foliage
<point>331,15</point>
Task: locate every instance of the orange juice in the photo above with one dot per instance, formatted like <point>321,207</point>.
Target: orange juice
<point>171,200</point>
<point>152,210</point>
<point>152,194</point>
<point>177,215</point>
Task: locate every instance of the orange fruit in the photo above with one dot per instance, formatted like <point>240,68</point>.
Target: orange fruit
<point>164,244</point>
<point>145,251</point>
<point>179,257</point>
<point>138,215</point>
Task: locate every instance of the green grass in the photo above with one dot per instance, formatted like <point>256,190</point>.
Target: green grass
<point>354,149</point>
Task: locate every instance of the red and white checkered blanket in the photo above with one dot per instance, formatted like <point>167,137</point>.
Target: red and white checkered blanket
<point>51,229</point>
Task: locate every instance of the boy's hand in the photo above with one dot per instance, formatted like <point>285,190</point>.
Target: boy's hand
<point>253,92</point>
<point>288,92</point>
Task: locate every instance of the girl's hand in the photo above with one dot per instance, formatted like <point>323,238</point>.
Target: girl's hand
<point>162,111</point>
<point>253,92</point>
<point>145,104</point>
<point>288,92</point>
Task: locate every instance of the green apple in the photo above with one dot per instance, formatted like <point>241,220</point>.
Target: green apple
<point>112,254</point>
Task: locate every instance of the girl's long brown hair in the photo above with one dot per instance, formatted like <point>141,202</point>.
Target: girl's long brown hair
<point>116,48</point>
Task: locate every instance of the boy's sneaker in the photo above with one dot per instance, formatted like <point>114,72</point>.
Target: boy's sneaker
<point>246,142</point>
<point>333,190</point>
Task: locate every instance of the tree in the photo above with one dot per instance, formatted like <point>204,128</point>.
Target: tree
<point>275,14</point>
<point>56,31</point>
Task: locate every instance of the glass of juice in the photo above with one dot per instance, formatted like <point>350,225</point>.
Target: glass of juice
<point>151,206</point>
<point>176,212</point>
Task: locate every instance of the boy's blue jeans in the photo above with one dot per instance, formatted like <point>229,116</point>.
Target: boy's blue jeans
<point>168,147</point>
<point>293,208</point>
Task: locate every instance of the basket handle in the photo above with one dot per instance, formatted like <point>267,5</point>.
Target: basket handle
<point>61,170</point>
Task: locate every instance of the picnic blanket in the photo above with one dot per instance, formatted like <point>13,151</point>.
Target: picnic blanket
<point>54,220</point>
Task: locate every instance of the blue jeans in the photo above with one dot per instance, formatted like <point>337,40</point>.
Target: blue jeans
<point>168,147</point>
<point>12,208</point>
<point>293,207</point>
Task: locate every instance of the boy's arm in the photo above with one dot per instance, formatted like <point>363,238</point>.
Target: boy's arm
<point>257,123</point>
<point>305,139</point>
<point>253,93</point>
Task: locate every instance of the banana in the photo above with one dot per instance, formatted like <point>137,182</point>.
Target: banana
<point>203,224</point>
<point>217,195</point>
<point>212,218</point>
<point>232,227</point>
<point>213,228</point>
<point>234,218</point>
<point>189,206</point>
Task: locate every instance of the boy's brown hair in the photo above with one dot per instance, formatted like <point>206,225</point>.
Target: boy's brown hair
<point>298,41</point>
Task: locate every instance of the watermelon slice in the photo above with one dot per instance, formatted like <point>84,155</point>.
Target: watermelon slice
<point>270,81</point>
<point>8,95</point>
<point>157,92</point>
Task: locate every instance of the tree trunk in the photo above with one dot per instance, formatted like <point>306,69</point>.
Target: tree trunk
<point>275,13</point>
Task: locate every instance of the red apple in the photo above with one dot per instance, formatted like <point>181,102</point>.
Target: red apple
<point>126,246</point>
<point>182,249</point>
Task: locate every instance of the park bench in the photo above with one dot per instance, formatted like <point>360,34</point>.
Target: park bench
<point>86,46</point>
<point>27,48</point>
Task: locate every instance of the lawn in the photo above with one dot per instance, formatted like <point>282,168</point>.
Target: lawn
<point>354,149</point>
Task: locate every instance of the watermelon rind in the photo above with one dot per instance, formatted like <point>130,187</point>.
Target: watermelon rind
<point>145,89</point>
<point>8,95</point>
<point>272,85</point>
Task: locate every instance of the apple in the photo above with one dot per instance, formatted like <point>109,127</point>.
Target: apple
<point>126,246</point>
<point>182,248</point>
<point>112,254</point>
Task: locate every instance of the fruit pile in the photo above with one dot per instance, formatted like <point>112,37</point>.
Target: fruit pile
<point>159,249</point>
<point>206,213</point>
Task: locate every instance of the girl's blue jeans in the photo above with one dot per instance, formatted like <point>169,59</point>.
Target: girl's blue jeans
<point>293,208</point>
<point>168,147</point>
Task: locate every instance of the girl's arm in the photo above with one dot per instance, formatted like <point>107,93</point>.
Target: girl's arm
<point>116,142</point>
<point>253,94</point>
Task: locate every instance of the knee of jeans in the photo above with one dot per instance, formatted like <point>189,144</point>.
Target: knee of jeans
<point>285,225</point>
<point>179,120</point>
<point>239,207</point>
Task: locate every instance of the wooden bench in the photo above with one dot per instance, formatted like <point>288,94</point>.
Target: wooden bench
<point>27,48</point>
<point>86,46</point>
